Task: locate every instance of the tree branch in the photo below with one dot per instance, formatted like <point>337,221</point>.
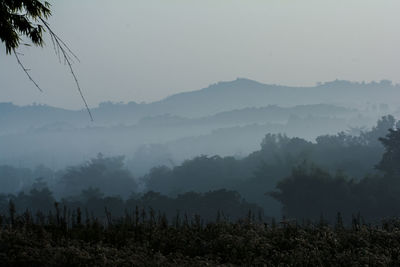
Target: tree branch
<point>62,50</point>
<point>26,70</point>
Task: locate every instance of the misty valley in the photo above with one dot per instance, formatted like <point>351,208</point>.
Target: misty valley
<point>236,162</point>
<point>199,133</point>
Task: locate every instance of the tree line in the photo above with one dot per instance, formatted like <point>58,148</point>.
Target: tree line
<point>310,191</point>
<point>345,173</point>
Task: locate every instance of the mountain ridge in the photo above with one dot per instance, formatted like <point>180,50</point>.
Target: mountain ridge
<point>219,97</point>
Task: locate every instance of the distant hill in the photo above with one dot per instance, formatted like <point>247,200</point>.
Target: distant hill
<point>245,93</point>
<point>272,113</point>
<point>230,96</point>
<point>242,93</point>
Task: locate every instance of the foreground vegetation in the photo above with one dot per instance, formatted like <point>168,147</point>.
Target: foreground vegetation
<point>140,238</point>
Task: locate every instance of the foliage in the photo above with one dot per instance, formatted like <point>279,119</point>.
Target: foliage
<point>226,203</point>
<point>309,191</point>
<point>200,174</point>
<point>250,176</point>
<point>140,239</point>
<point>18,18</point>
<point>390,163</point>
<point>106,173</point>
<point>28,19</point>
<point>259,172</point>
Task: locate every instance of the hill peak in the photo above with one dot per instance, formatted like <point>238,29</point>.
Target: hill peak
<point>239,82</point>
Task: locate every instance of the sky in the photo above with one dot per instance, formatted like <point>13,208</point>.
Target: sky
<point>146,50</point>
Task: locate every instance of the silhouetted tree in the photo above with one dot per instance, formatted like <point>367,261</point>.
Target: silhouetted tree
<point>380,130</point>
<point>106,174</point>
<point>390,163</point>
<point>309,192</point>
<point>19,19</point>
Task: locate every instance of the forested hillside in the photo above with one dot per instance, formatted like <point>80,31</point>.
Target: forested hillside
<point>287,176</point>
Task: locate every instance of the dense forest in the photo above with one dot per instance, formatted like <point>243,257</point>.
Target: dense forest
<point>288,177</point>
<point>292,202</point>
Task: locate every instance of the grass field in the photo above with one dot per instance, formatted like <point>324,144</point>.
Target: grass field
<point>145,239</point>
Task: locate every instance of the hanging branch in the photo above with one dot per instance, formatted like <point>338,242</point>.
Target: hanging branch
<point>26,71</point>
<point>63,51</point>
<point>17,19</point>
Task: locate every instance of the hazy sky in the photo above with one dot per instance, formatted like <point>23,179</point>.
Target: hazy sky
<point>145,50</point>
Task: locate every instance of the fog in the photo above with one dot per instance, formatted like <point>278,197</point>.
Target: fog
<point>226,119</point>
<point>147,50</point>
<point>238,135</point>
<point>289,109</point>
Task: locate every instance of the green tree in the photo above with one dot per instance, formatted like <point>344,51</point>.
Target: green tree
<point>19,19</point>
